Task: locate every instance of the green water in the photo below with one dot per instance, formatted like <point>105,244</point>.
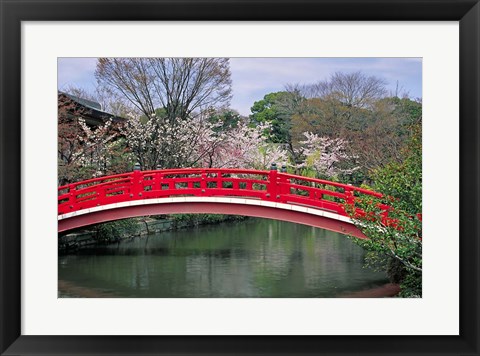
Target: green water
<point>253,258</point>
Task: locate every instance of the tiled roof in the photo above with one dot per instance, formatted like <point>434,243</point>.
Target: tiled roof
<point>85,102</point>
<point>95,111</point>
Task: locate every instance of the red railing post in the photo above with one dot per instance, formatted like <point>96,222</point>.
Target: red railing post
<point>72,196</point>
<point>349,199</point>
<point>101,195</point>
<point>137,188</point>
<point>272,187</point>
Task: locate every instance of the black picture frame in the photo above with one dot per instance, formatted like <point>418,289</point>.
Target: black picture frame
<point>13,12</point>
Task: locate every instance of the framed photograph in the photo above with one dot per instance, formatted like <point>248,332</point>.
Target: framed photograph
<point>353,119</point>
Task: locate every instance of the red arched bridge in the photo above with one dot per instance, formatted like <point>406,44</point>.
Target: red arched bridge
<point>267,194</point>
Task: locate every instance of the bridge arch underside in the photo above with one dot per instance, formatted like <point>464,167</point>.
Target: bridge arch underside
<point>192,205</point>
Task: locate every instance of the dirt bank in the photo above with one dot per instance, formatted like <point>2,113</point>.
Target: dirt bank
<point>68,289</point>
<point>387,290</point>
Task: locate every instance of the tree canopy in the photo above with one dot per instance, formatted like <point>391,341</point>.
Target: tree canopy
<point>399,234</point>
<point>179,85</point>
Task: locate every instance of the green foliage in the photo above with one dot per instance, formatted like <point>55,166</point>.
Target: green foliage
<point>228,118</point>
<point>398,236</point>
<point>272,109</point>
<point>160,112</point>
<point>115,230</point>
<point>307,172</point>
<point>356,178</point>
<point>188,220</point>
<point>68,173</point>
<point>404,180</point>
<point>409,110</point>
<point>395,270</point>
<point>411,285</point>
<point>120,159</point>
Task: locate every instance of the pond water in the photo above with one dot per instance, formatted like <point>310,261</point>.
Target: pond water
<point>252,258</point>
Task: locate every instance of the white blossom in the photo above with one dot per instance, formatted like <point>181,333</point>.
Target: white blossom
<point>201,143</point>
<point>324,154</point>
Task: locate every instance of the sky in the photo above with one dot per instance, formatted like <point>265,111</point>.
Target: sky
<point>253,78</point>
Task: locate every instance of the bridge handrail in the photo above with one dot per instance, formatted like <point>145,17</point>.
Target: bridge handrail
<point>208,170</point>
<point>102,179</point>
<point>108,179</point>
<point>315,189</point>
<point>277,187</point>
<point>334,184</point>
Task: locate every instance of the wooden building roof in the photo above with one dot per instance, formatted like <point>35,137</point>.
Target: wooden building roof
<point>89,110</point>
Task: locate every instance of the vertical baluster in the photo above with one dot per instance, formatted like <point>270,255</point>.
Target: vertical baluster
<point>203,182</point>
<point>219,180</point>
<point>157,182</point>
<point>160,184</point>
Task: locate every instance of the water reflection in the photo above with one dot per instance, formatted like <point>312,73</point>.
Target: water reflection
<point>254,258</point>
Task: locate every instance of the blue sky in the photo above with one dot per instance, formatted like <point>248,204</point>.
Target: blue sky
<point>254,77</point>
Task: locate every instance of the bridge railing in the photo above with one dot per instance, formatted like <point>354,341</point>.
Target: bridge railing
<point>270,185</point>
<point>323,194</point>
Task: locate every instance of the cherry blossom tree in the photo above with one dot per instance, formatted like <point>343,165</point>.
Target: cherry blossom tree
<point>85,152</point>
<point>248,147</point>
<point>103,149</point>
<point>160,143</point>
<point>198,142</point>
<point>324,155</point>
<point>68,146</point>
